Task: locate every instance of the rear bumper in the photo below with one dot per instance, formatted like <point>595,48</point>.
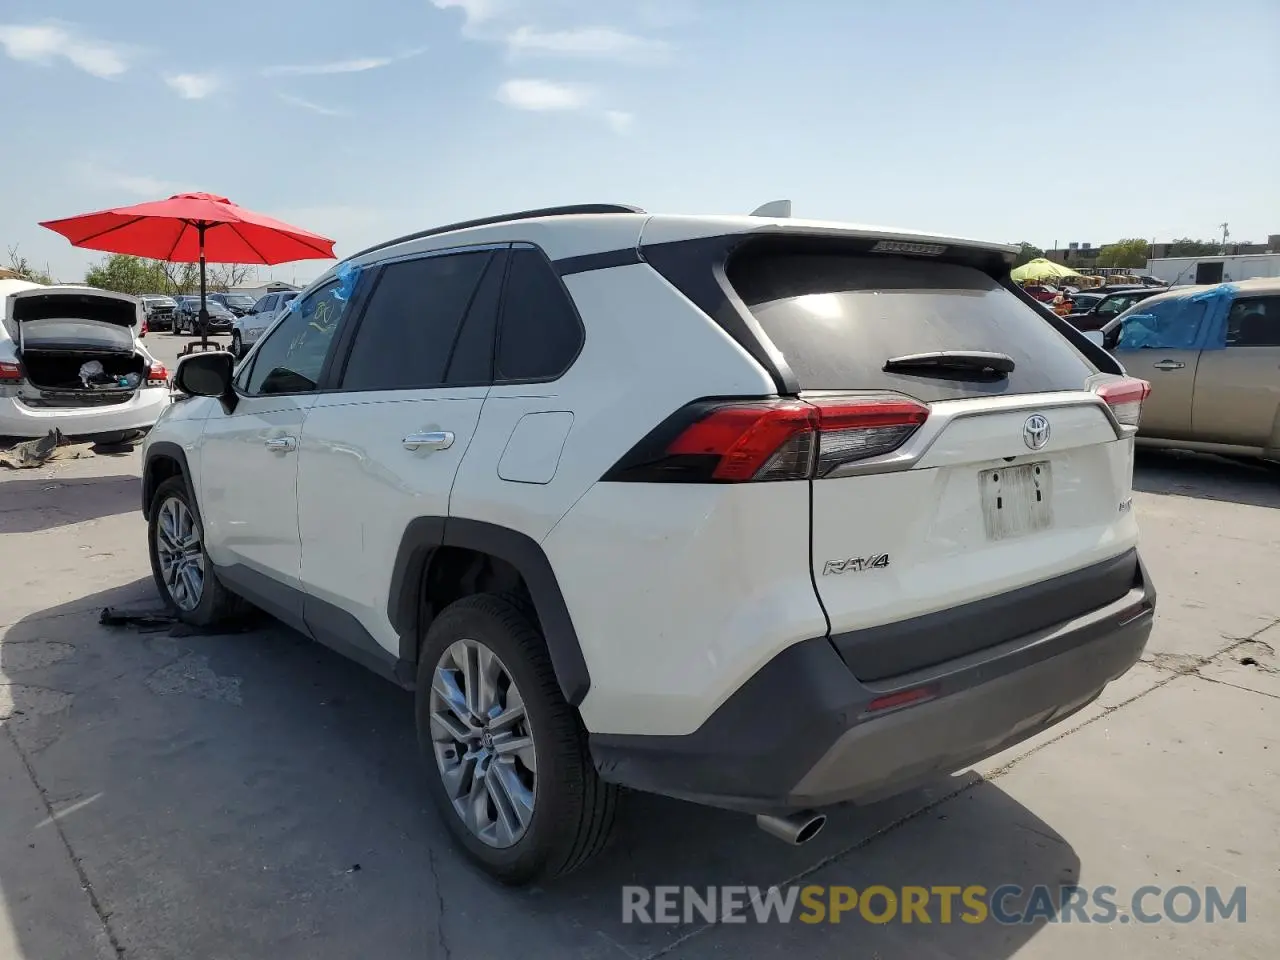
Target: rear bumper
<point>799,733</point>
<point>140,412</point>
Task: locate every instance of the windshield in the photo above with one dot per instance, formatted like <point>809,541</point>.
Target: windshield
<point>239,301</point>
<point>837,319</point>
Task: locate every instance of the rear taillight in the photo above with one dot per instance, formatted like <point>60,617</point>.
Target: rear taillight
<point>766,441</point>
<point>157,376</point>
<point>10,372</point>
<point>1125,397</point>
<point>740,441</point>
<point>857,429</point>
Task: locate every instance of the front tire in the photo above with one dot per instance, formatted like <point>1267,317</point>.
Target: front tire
<point>184,575</point>
<point>509,767</point>
<point>237,348</point>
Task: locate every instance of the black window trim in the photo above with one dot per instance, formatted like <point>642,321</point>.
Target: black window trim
<point>502,314</point>
<point>372,274</point>
<point>358,299</point>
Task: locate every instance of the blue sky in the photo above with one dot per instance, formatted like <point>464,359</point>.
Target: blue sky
<point>1008,120</point>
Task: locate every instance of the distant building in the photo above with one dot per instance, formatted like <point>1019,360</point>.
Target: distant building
<point>1083,256</point>
<point>1178,271</point>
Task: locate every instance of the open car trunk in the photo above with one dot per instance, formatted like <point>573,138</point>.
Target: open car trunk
<point>77,346</point>
<point>83,377</point>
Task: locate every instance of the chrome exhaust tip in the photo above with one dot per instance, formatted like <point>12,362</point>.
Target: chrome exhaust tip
<point>795,828</point>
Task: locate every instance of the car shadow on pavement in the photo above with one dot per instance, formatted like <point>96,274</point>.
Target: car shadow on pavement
<point>1187,474</point>
<point>32,505</point>
<point>255,795</point>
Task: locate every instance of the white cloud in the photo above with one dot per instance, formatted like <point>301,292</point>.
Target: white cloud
<point>45,43</point>
<point>604,43</point>
<point>354,65</point>
<point>193,86</point>
<point>619,120</point>
<point>310,105</point>
<point>474,11</point>
<point>97,177</point>
<point>544,95</point>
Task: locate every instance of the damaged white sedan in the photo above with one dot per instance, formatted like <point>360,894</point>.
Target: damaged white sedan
<point>71,360</point>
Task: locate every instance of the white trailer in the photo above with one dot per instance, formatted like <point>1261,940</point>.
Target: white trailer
<point>1178,271</point>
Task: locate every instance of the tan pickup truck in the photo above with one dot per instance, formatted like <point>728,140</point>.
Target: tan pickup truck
<point>1212,356</point>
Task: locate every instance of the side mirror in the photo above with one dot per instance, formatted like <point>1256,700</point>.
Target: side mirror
<point>1095,337</point>
<point>207,375</point>
<point>251,311</point>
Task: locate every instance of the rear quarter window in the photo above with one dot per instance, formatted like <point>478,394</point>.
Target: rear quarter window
<point>838,318</point>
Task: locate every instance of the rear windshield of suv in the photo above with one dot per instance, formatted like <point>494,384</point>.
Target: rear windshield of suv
<point>837,318</point>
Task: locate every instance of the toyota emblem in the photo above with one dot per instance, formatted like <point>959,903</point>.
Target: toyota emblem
<point>1035,432</point>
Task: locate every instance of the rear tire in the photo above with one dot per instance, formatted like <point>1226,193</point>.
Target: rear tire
<point>568,812</point>
<point>185,576</point>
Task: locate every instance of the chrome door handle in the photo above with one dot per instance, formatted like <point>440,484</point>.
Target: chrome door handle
<point>435,440</point>
<point>1169,365</point>
<point>281,444</point>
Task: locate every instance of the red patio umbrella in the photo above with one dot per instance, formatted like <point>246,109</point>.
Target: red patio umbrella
<point>190,228</point>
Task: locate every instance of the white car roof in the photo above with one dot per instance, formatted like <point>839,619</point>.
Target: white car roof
<point>563,235</point>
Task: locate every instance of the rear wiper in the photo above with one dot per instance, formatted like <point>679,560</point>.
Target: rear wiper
<point>951,361</point>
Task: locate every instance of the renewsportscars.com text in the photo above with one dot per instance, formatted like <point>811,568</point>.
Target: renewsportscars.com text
<point>974,904</point>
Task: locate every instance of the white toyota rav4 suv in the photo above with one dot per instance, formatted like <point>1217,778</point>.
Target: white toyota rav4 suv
<point>767,514</point>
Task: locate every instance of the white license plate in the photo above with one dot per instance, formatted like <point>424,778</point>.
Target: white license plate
<point>1017,500</point>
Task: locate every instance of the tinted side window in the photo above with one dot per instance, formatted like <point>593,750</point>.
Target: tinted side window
<point>541,333</point>
<point>1112,306</point>
<point>411,322</point>
<point>267,303</point>
<point>472,359</point>
<point>1254,322</point>
<point>291,357</point>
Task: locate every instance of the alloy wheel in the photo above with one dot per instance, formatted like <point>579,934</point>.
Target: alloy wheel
<point>483,743</point>
<point>180,553</point>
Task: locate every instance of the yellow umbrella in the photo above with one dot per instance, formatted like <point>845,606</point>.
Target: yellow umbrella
<point>1042,269</point>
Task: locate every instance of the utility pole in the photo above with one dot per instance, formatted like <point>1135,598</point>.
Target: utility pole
<point>1225,234</point>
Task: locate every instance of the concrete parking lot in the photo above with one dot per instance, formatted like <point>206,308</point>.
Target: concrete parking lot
<point>170,794</point>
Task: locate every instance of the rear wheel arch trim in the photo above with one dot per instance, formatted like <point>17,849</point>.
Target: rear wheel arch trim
<point>164,449</point>
<point>424,535</point>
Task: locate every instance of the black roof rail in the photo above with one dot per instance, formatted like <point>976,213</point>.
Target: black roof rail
<point>569,210</point>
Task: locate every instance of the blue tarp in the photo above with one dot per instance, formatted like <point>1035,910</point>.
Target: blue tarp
<point>1194,322</point>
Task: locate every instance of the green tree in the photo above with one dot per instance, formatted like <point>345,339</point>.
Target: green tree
<point>1186,247</point>
<point>1124,253</point>
<point>24,270</point>
<point>1028,253</point>
<point>179,278</point>
<point>126,274</point>
<point>138,275</point>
